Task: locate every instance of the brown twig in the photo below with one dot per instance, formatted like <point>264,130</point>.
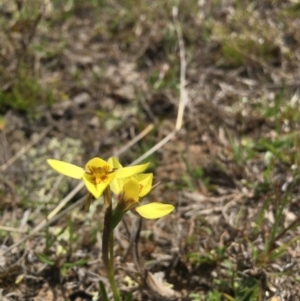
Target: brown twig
<point>137,138</point>
<point>183,94</point>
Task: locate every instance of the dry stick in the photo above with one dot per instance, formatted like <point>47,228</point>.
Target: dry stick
<point>154,148</point>
<point>10,229</point>
<point>183,94</point>
<point>133,245</point>
<point>25,149</point>
<point>135,140</point>
<point>24,220</point>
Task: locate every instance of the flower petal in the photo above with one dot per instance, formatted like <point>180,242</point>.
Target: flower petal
<point>95,190</point>
<point>131,170</point>
<point>114,163</point>
<point>145,181</point>
<point>117,185</point>
<point>66,169</point>
<point>131,190</point>
<point>91,187</point>
<point>154,210</point>
<point>96,162</point>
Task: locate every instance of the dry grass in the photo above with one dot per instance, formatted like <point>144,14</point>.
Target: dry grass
<point>111,77</point>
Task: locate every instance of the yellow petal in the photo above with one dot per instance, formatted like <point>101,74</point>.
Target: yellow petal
<point>114,163</point>
<point>95,162</point>
<point>95,190</point>
<point>91,187</point>
<point>66,169</point>
<point>131,190</point>
<point>117,185</point>
<point>154,210</point>
<point>145,181</point>
<point>129,171</point>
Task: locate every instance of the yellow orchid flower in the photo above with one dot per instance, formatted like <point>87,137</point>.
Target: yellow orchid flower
<point>144,181</point>
<point>129,191</point>
<point>97,174</point>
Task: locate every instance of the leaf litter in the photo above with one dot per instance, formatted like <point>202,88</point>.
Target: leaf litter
<point>229,171</point>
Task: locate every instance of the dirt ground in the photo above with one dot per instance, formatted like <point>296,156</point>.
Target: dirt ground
<point>80,79</point>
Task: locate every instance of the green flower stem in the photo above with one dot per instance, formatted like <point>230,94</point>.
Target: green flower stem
<point>117,215</point>
<point>111,249</point>
<point>107,245</point>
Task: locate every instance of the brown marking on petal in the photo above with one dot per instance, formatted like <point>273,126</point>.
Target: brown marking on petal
<point>97,175</point>
<point>126,204</point>
<point>129,204</point>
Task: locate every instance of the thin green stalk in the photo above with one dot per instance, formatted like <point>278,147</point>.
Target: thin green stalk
<point>107,246</point>
<point>103,291</point>
<point>111,249</point>
<point>280,235</point>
